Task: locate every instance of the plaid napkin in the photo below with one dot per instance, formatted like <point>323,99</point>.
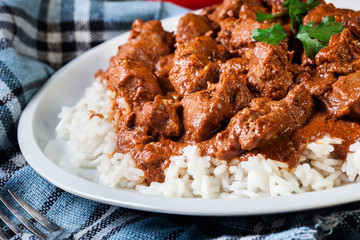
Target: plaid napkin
<point>39,36</point>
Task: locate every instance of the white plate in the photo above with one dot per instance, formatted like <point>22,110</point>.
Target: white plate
<point>37,128</point>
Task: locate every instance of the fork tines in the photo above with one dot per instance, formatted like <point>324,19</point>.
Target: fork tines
<point>51,226</point>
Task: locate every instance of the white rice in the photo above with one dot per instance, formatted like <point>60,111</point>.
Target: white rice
<point>89,133</point>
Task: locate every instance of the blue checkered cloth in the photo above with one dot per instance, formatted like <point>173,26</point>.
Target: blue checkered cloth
<point>37,37</point>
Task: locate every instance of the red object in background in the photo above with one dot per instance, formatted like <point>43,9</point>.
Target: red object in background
<point>194,4</point>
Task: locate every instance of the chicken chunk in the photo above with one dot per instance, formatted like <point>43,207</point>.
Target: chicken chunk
<point>191,26</point>
<point>263,121</point>
<point>318,80</point>
<point>206,110</point>
<point>342,56</point>
<point>270,70</point>
<point>150,122</point>
<point>231,8</point>
<point>344,97</point>
<point>196,63</point>
<point>160,118</point>
<point>147,43</point>
<point>236,33</point>
<point>133,81</point>
<point>349,18</point>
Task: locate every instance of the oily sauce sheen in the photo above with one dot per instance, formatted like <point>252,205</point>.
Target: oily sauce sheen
<point>213,86</point>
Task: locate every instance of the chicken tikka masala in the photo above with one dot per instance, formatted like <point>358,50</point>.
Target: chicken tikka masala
<point>240,78</point>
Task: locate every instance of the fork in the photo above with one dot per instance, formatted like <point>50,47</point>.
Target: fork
<point>56,232</point>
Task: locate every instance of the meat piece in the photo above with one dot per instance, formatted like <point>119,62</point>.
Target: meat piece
<point>239,33</point>
<point>164,65</point>
<point>196,63</point>
<point>224,35</point>
<point>235,33</point>
<point>147,43</point>
<point>263,121</point>
<point>128,134</point>
<point>133,81</point>
<point>191,26</point>
<point>145,133</point>
<point>270,70</point>
<point>342,47</point>
<point>236,66</point>
<point>231,8</point>
<point>249,11</point>
<point>318,80</point>
<point>275,5</point>
<point>162,70</point>
<point>349,18</point>
<point>206,110</point>
<point>150,121</point>
<point>342,56</point>
<point>153,158</point>
<point>344,98</point>
<point>159,118</point>
<point>282,149</point>
<point>130,72</point>
<point>128,139</point>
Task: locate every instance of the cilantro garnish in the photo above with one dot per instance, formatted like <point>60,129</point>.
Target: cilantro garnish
<point>261,16</point>
<point>271,35</point>
<point>313,37</point>
<point>296,8</point>
<point>316,37</point>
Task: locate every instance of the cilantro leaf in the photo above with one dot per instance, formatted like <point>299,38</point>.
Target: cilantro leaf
<point>315,37</point>
<point>302,7</point>
<point>297,20</point>
<point>297,8</point>
<point>286,4</point>
<point>311,46</point>
<point>271,35</point>
<point>261,16</point>
<point>324,30</point>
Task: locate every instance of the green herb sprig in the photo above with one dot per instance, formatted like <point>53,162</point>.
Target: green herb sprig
<point>261,16</point>
<point>316,37</point>
<point>313,37</point>
<point>297,8</point>
<point>272,35</point>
